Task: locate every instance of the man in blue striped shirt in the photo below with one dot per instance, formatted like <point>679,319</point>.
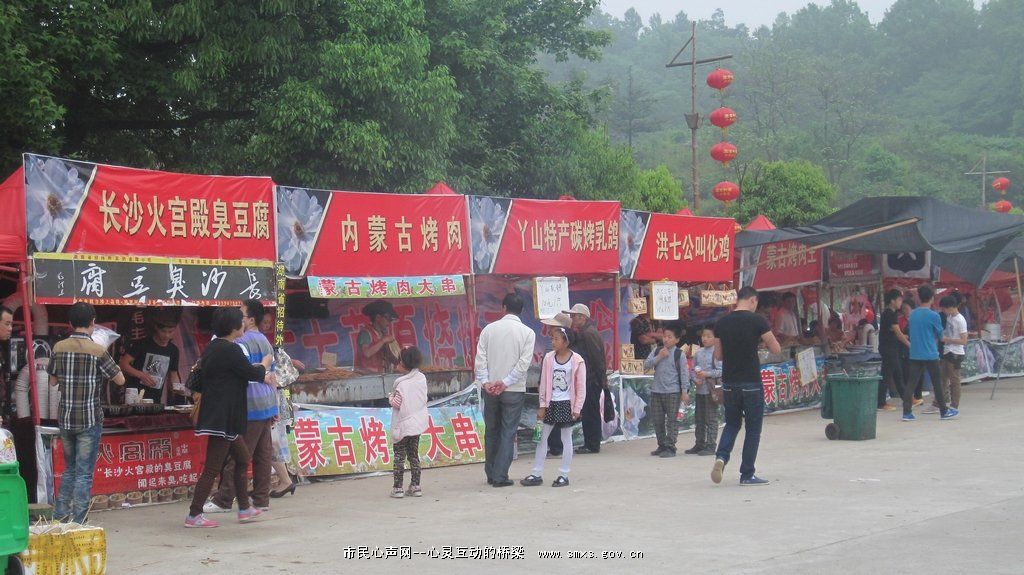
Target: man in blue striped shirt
<point>262,412</point>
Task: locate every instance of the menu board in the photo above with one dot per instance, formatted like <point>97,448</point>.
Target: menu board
<point>807,366</point>
<point>664,300</point>
<point>550,296</point>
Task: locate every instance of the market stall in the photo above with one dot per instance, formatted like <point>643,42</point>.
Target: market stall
<point>671,265</point>
<point>371,273</point>
<point>523,245</point>
<point>129,242</point>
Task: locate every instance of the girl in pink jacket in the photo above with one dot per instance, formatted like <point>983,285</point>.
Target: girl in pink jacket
<point>409,419</point>
<point>563,387</point>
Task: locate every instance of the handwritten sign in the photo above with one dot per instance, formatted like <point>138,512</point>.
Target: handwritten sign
<point>627,352</point>
<point>631,367</point>
<point>550,296</point>
<point>807,366</point>
<point>664,300</point>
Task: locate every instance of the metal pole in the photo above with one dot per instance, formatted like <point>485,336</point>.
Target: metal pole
<point>984,170</point>
<point>694,170</point>
<point>30,360</point>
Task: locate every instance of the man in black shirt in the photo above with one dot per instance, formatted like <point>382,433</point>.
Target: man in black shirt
<point>890,341</point>
<point>739,334</point>
<point>152,364</point>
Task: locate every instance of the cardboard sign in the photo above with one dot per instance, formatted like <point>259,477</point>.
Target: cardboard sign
<point>684,298</point>
<point>626,352</point>
<point>664,300</point>
<point>637,305</point>
<point>807,366</point>
<point>550,296</point>
<point>717,298</point>
<point>632,367</point>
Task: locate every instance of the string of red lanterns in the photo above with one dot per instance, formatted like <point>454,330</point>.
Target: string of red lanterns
<point>724,152</point>
<point>1001,185</point>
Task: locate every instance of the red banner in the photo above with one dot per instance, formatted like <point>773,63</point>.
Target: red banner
<point>370,234</point>
<point>851,267</point>
<point>687,249</point>
<point>544,237</point>
<point>141,462</point>
<point>79,207</point>
<point>787,264</point>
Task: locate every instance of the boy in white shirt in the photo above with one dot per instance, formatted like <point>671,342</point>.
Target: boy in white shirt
<point>954,336</point>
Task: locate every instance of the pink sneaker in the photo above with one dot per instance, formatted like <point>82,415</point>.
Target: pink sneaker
<point>200,521</point>
<point>247,515</point>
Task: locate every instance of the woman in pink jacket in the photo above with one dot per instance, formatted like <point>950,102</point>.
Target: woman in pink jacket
<point>409,419</point>
<point>563,388</point>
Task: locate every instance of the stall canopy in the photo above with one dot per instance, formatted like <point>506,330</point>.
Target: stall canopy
<point>897,224</point>
<point>12,219</point>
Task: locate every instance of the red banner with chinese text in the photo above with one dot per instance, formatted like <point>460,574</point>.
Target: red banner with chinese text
<point>539,237</point>
<point>373,234</point>
<point>787,264</point>
<point>80,207</point>
<point>141,462</point>
<point>687,249</point>
<point>852,267</point>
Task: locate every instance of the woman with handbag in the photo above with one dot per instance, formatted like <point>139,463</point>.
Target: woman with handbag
<point>706,374</point>
<point>224,376</point>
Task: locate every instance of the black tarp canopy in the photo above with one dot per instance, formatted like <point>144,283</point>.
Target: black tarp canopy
<point>970,243</point>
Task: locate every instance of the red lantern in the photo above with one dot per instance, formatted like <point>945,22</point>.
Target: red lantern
<point>724,152</point>
<point>1001,184</point>
<point>1002,206</point>
<point>720,78</point>
<point>723,118</point>
<point>726,192</point>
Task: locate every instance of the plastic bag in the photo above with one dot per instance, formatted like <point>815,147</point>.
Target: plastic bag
<point>104,336</point>
<point>284,369</point>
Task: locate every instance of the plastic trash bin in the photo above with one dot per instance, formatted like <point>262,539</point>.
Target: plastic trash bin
<point>853,401</point>
<point>13,516</point>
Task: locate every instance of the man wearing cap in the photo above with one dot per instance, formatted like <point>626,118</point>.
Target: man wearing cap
<point>591,347</point>
<point>503,355</point>
<point>376,344</point>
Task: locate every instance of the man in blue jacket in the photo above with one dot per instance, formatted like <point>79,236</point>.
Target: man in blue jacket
<point>925,334</point>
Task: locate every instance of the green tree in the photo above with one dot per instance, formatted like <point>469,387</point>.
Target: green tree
<point>659,191</point>
<point>788,193</point>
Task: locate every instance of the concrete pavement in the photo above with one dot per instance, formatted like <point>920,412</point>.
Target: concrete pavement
<point>925,497</point>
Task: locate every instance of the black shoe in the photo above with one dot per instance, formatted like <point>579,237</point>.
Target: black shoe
<point>554,453</point>
<point>503,483</point>
<point>753,480</point>
<point>290,490</point>
<point>490,481</point>
<point>707,451</point>
<point>586,450</point>
<point>658,451</point>
<point>531,480</point>
<point>562,481</point>
<point>693,450</point>
<point>668,453</point>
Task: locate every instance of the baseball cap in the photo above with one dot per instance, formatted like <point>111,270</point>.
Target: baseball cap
<point>560,320</point>
<point>578,308</point>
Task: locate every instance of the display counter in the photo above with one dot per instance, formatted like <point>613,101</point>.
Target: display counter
<point>345,387</point>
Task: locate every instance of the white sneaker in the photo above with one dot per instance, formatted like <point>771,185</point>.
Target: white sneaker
<point>211,507</point>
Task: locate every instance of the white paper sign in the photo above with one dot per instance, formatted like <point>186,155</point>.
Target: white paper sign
<point>664,300</point>
<point>550,296</point>
<point>806,365</point>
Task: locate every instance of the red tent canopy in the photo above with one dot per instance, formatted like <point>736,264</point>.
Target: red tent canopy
<point>442,189</point>
<point>12,218</point>
<point>760,223</point>
<point>684,212</point>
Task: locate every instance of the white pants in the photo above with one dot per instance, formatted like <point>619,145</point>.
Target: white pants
<point>542,451</point>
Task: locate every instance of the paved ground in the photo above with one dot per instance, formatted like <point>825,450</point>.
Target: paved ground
<point>928,497</point>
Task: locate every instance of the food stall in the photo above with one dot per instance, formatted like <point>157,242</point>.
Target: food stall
<point>516,241</point>
<point>348,256</point>
<point>128,241</point>
<point>689,258</point>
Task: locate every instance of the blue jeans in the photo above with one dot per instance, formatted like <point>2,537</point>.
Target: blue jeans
<point>744,402</point>
<point>80,451</point>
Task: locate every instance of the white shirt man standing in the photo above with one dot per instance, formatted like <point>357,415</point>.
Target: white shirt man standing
<point>503,355</point>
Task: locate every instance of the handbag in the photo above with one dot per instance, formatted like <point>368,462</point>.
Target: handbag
<point>609,406</point>
<point>194,380</point>
<point>716,391</point>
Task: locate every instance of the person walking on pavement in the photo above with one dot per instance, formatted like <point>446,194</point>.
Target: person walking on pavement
<point>590,346</point>
<point>503,355</point>
<point>925,334</point>
<point>891,340</point>
<point>739,334</point>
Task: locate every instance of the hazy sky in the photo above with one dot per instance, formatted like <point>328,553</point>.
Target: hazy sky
<point>753,13</point>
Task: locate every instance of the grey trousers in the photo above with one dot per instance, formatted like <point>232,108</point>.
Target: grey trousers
<point>501,421</point>
<point>663,410</point>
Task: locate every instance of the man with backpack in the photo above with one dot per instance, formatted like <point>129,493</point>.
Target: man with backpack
<point>671,380</point>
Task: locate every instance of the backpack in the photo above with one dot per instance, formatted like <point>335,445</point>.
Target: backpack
<point>679,372</point>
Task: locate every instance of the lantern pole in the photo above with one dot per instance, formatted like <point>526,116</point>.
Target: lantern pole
<point>693,118</point>
<point>984,173</point>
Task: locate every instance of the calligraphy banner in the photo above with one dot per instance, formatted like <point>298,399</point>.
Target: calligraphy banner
<point>128,280</point>
<point>849,267</point>
<point>780,265</point>
<point>680,248</point>
<point>80,207</point>
<point>543,237</point>
<point>399,288</point>
<point>358,440</point>
<point>145,462</point>
<point>325,233</point>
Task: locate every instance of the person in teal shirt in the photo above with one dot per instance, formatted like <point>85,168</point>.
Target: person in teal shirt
<point>925,333</point>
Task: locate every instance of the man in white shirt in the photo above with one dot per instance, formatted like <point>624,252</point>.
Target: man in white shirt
<point>786,322</point>
<point>954,336</point>
<point>503,355</point>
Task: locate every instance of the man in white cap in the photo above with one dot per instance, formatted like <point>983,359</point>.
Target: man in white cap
<point>591,347</point>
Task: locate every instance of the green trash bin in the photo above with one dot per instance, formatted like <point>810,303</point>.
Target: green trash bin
<point>13,516</point>
<point>854,404</point>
